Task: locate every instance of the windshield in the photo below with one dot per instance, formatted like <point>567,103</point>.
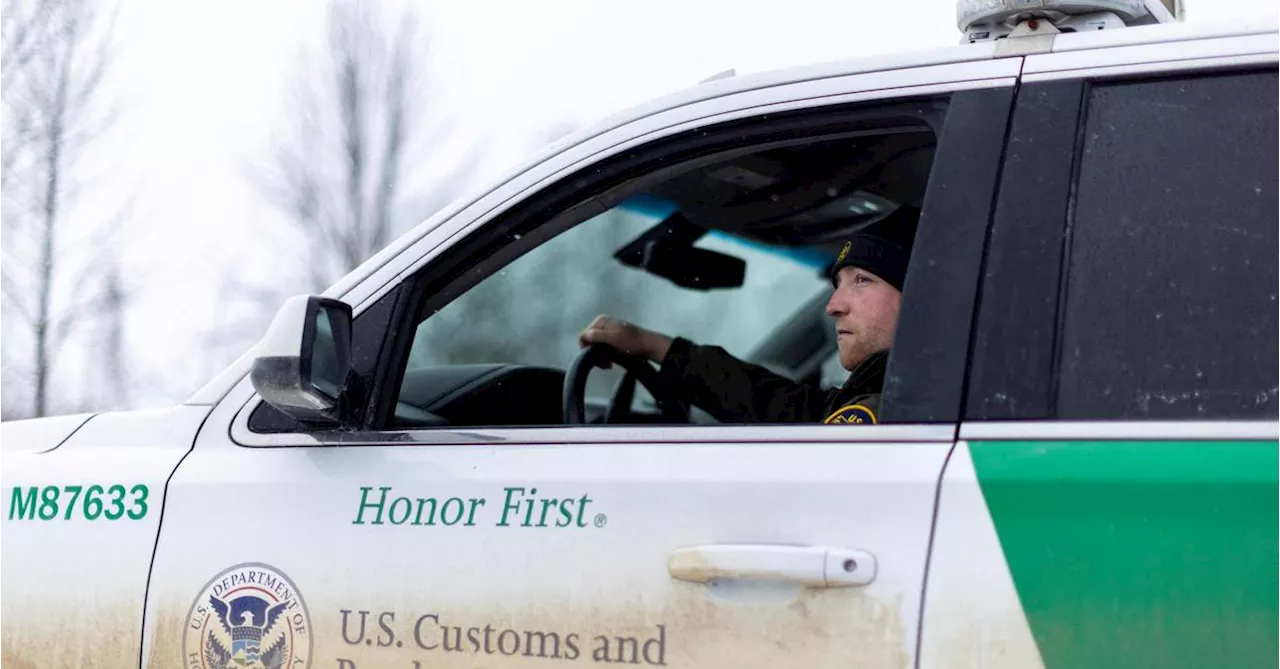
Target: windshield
<point>532,311</point>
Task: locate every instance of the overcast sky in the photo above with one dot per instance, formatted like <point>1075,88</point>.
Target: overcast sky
<point>202,84</point>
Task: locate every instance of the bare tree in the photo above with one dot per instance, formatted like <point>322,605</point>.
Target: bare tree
<point>54,109</point>
<point>355,136</point>
<point>25,27</point>
<point>115,365</point>
<point>353,112</point>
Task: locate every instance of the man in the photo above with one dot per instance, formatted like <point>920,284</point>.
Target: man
<point>867,280</point>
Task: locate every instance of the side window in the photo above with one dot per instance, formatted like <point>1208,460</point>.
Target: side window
<point>1169,304</point>
<point>725,238</point>
<point>728,249</point>
<point>531,311</point>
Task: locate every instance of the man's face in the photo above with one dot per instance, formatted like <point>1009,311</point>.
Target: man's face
<point>865,308</point>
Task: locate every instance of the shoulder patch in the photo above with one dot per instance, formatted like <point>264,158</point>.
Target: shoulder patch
<point>852,414</point>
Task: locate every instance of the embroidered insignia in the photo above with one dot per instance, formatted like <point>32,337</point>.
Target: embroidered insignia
<point>844,252</point>
<point>852,414</point>
<point>248,616</point>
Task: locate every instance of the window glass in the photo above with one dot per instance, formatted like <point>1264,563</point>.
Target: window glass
<point>732,251</point>
<point>1170,304</point>
<point>531,312</point>
<point>832,374</point>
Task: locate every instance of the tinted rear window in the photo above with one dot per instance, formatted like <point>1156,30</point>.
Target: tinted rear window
<point>1170,303</point>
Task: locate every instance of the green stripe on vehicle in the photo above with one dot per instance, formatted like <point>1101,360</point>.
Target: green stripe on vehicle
<point>1140,553</point>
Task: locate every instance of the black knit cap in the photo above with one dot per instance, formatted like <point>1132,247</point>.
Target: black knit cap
<point>882,248</point>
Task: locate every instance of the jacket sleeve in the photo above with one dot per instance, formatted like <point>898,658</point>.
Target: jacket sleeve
<point>738,392</point>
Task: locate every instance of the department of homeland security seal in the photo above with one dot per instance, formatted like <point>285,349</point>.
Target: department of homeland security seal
<point>248,617</point>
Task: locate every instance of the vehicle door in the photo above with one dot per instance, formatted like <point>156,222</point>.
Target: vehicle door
<point>1111,502</point>
<point>490,545</point>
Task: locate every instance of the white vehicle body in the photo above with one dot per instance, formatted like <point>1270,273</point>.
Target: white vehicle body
<point>591,544</point>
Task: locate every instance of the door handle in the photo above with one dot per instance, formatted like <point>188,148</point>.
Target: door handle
<point>811,566</point>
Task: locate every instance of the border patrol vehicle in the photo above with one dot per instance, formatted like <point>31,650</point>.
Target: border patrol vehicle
<point>1074,465</point>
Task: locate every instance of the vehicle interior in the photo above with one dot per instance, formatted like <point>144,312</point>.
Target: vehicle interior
<point>715,230</point>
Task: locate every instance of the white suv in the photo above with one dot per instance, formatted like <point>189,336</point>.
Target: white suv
<point>1075,462</point>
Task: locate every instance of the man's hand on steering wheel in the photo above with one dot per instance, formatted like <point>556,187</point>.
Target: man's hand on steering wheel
<point>626,337</point>
<point>606,341</point>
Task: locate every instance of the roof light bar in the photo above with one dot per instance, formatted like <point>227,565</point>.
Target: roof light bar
<point>983,20</point>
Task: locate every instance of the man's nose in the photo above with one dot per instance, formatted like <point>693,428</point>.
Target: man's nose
<point>835,307</point>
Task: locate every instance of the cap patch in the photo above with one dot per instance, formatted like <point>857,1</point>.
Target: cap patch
<point>851,414</point>
<point>844,252</point>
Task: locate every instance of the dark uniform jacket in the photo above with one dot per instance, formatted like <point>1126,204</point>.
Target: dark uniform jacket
<point>739,392</point>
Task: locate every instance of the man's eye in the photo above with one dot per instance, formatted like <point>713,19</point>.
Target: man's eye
<point>861,279</point>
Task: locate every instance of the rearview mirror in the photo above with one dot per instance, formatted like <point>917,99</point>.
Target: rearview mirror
<point>304,361</point>
<point>667,250</point>
<point>692,267</point>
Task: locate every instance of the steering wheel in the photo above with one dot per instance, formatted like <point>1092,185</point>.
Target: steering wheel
<point>638,368</point>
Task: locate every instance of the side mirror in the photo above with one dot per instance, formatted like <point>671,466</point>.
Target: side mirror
<point>304,361</point>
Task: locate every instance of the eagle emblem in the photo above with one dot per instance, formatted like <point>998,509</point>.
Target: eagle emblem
<point>248,617</point>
